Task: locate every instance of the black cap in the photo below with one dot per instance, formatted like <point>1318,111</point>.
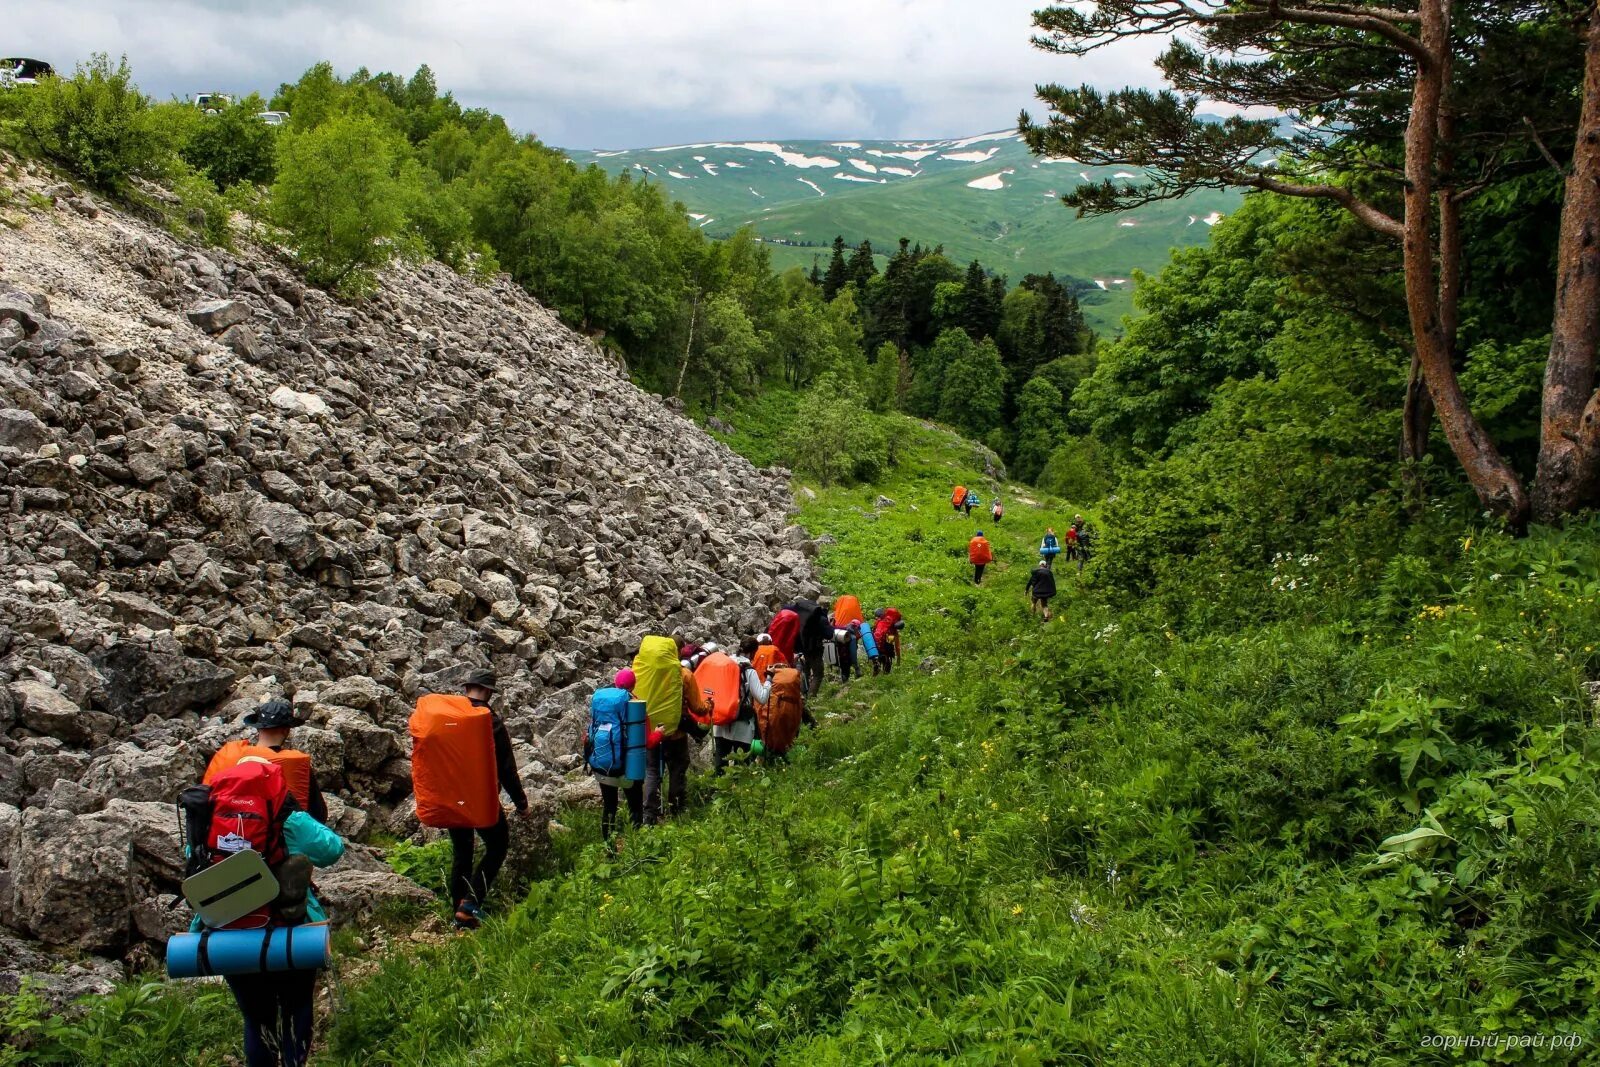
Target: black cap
<point>272,715</point>
<point>483,678</point>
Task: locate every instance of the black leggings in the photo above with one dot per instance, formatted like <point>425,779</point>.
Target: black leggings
<point>277,1016</point>
<point>608,807</point>
<point>465,883</point>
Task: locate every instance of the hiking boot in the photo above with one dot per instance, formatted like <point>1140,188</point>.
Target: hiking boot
<point>467,916</point>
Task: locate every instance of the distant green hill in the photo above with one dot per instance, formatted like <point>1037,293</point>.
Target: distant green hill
<point>985,197</point>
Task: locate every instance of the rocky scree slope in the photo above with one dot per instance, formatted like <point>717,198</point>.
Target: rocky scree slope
<point>217,484</point>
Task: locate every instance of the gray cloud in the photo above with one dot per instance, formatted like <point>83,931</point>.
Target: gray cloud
<point>610,73</point>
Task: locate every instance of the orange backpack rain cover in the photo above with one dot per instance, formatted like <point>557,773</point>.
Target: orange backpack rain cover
<point>959,497</point>
<point>779,718</point>
<point>452,763</point>
<point>295,765</point>
<point>766,656</point>
<point>719,675</point>
<point>846,610</point>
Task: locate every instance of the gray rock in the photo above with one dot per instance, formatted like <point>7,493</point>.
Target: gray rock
<point>215,316</point>
<point>51,712</point>
<point>22,430</point>
<point>357,896</point>
<point>142,680</point>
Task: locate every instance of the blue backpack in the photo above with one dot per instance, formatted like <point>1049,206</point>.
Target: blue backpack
<point>608,742</point>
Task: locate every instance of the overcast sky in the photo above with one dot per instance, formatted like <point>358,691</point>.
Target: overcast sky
<point>607,73</point>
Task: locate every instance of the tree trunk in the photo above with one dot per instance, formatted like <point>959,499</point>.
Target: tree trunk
<point>1416,415</point>
<point>683,368</point>
<point>1569,434</point>
<point>1494,481</point>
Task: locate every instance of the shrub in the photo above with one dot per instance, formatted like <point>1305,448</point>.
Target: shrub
<point>233,145</point>
<point>1078,470</point>
<point>338,197</point>
<point>97,125</point>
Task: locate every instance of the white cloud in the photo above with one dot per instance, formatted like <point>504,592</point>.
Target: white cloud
<point>612,73</point>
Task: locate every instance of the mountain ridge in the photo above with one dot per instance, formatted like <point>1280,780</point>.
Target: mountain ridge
<point>984,196</point>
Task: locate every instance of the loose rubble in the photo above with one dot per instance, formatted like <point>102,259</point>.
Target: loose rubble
<point>218,484</point>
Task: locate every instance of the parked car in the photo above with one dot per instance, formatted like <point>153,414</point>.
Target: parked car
<point>212,103</point>
<point>20,71</point>
<point>273,118</point>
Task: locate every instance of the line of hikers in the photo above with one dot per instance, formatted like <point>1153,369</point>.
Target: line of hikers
<point>256,826</point>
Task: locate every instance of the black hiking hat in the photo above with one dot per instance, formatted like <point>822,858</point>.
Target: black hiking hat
<point>483,678</point>
<point>273,715</point>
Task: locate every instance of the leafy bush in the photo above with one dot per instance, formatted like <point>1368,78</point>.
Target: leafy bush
<point>834,438</point>
<point>97,125</point>
<point>1078,469</point>
<point>338,198</point>
<point>232,146</point>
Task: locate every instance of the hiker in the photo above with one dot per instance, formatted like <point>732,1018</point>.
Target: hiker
<point>276,1005</point>
<point>778,718</point>
<point>470,888</point>
<point>810,644</point>
<point>980,555</point>
<point>753,690</point>
<point>1050,547</point>
<point>886,631</point>
<point>766,655</point>
<point>660,681</point>
<point>971,502</point>
<point>785,631</point>
<point>958,498</point>
<point>272,723</point>
<point>844,651</point>
<point>997,511</point>
<point>1041,587</point>
<point>1078,542</point>
<point>608,725</point>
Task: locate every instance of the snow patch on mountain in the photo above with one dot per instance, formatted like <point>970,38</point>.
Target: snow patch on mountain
<point>842,176</point>
<point>971,157</point>
<point>814,185</point>
<point>903,172</point>
<point>862,165</point>
<point>991,182</point>
<point>794,159</point>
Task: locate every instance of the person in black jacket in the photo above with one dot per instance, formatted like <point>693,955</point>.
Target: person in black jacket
<point>470,888</point>
<point>814,633</point>
<point>1041,588</point>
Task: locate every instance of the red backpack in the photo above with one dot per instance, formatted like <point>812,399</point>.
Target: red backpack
<point>249,803</point>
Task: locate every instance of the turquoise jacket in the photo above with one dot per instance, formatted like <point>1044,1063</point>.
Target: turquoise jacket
<point>306,836</point>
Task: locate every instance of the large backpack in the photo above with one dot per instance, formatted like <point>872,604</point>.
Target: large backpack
<point>249,803</point>
<point>295,765</point>
<point>453,770</point>
<point>779,717</point>
<point>659,682</point>
<point>722,679</point>
<point>959,497</point>
<point>846,610</point>
<point>608,741</point>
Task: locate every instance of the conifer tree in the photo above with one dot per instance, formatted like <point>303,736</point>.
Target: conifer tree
<point>861,267</point>
<point>838,275</point>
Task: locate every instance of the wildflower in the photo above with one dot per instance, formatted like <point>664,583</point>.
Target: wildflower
<point>956,833</point>
<point>1017,910</point>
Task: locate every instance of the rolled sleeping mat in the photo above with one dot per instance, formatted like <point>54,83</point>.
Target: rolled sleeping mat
<point>281,948</point>
<point>635,735</point>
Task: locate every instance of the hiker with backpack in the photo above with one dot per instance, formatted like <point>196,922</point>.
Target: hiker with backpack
<point>1078,542</point>
<point>248,807</point>
<point>971,502</point>
<point>737,731</point>
<point>778,718</point>
<point>958,498</point>
<point>1050,547</point>
<point>272,723</point>
<point>605,752</point>
<point>666,685</point>
<point>844,652</point>
<point>1041,588</point>
<point>886,631</point>
<point>980,555</point>
<point>998,511</point>
<point>469,888</point>
<point>810,643</point>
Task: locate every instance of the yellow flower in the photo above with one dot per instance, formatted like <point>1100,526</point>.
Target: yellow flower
<point>956,834</point>
<point>1017,910</point>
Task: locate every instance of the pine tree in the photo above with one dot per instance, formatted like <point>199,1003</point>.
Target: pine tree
<point>972,393</point>
<point>816,273</point>
<point>974,314</point>
<point>862,269</point>
<point>838,275</point>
